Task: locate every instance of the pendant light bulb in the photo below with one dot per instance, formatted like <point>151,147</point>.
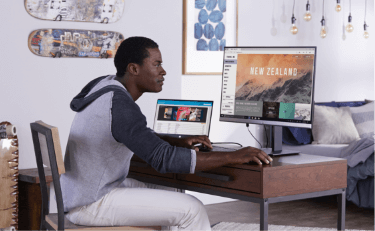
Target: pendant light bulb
<point>338,6</point>
<point>293,28</point>
<point>366,34</point>
<point>307,15</point>
<point>323,31</point>
<point>349,28</point>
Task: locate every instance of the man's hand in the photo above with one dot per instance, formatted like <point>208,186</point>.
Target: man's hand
<point>189,142</point>
<point>249,154</point>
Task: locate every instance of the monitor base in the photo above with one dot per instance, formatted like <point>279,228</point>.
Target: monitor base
<point>282,153</point>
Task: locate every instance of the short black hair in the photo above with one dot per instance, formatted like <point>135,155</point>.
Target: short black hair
<point>132,50</point>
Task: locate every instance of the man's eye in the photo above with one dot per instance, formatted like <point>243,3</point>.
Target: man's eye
<point>158,65</point>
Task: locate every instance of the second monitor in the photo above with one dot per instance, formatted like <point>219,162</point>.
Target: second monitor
<point>270,86</point>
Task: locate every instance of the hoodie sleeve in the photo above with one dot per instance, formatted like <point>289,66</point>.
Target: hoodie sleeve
<point>129,127</point>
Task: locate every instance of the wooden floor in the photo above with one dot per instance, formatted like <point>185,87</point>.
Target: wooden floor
<point>316,212</point>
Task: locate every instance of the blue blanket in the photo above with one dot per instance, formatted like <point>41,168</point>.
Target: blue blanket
<point>360,156</point>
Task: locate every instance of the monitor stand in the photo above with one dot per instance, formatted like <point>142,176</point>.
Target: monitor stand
<point>276,141</point>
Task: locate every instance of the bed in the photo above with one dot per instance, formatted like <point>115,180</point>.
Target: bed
<point>359,151</point>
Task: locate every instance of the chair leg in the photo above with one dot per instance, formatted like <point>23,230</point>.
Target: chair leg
<point>42,224</point>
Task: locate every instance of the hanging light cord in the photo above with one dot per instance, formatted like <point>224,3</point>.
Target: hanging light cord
<point>323,8</point>
<point>294,3</point>
<point>365,9</point>
<point>343,15</point>
<point>350,7</point>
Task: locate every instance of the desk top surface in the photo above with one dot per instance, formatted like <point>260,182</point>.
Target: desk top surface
<point>292,161</point>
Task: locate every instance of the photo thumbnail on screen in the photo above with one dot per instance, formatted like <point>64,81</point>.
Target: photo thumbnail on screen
<point>188,114</point>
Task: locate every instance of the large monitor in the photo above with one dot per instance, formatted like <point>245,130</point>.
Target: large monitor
<point>270,86</point>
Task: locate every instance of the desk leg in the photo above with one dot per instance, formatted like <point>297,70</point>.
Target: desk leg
<point>264,215</point>
<point>341,200</point>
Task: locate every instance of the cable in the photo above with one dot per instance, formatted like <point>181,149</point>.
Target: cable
<point>266,134</point>
<point>365,9</point>
<point>227,143</point>
<point>247,125</point>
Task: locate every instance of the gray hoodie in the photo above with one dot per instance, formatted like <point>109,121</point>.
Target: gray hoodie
<point>107,129</point>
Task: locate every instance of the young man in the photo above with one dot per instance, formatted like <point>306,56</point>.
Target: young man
<point>109,128</point>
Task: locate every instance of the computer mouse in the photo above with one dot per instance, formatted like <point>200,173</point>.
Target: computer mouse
<point>204,149</point>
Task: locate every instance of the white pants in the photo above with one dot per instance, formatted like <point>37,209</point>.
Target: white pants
<point>143,204</point>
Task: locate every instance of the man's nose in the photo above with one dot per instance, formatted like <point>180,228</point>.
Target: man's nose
<point>163,71</point>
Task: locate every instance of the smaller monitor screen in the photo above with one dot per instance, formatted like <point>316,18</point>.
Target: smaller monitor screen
<point>183,117</point>
<point>268,85</point>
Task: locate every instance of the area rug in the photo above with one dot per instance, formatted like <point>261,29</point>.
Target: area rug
<point>249,227</point>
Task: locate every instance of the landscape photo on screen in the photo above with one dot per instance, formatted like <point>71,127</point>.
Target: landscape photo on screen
<point>274,85</point>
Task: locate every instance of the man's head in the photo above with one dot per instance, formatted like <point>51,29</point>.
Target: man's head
<point>139,66</point>
<point>132,50</point>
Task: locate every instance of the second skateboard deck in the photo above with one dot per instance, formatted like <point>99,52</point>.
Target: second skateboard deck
<point>74,43</point>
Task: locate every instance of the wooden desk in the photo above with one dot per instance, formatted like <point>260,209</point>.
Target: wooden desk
<point>30,199</point>
<point>287,178</point>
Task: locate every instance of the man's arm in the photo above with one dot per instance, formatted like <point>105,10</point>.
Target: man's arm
<point>210,160</point>
<point>187,142</point>
<point>129,127</point>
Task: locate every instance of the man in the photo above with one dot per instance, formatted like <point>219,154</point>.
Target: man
<point>109,127</point>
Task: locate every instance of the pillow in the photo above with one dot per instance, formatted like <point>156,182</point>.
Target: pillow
<point>333,126</point>
<point>351,104</point>
<point>343,104</point>
<point>299,136</point>
<point>363,118</point>
<point>330,104</point>
<point>296,136</point>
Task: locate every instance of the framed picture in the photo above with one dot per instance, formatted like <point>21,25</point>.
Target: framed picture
<point>208,26</point>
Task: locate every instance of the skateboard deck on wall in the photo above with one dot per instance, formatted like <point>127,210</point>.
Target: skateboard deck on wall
<point>74,43</point>
<point>100,11</point>
<point>8,176</point>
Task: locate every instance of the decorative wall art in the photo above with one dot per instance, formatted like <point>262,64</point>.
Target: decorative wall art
<point>209,26</point>
<point>101,11</point>
<point>74,43</point>
<point>8,176</point>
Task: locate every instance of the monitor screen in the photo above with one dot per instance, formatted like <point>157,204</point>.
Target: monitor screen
<point>181,118</point>
<point>268,85</point>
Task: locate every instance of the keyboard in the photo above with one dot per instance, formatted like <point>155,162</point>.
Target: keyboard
<point>222,149</point>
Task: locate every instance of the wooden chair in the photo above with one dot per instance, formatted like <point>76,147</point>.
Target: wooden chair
<point>48,152</point>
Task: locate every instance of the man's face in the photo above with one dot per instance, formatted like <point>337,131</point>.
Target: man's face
<point>151,73</point>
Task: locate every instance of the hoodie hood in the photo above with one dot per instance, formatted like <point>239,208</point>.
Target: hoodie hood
<point>92,91</point>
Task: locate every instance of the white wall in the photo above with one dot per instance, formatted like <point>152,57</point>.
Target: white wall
<point>344,69</point>
<point>37,88</point>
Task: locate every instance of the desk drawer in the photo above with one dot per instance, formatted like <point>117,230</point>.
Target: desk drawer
<point>232,178</point>
<point>140,166</point>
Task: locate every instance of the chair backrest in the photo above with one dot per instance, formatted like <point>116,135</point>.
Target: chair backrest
<point>48,152</point>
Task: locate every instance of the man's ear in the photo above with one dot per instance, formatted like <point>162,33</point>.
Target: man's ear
<point>133,68</point>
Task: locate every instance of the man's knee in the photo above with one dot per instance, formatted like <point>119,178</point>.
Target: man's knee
<point>194,206</point>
